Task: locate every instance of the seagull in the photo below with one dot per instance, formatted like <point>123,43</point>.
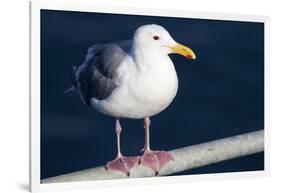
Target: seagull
<point>133,79</point>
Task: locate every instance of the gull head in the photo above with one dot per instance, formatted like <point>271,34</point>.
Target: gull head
<point>154,36</point>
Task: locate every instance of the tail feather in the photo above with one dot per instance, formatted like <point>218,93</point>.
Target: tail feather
<point>72,88</point>
<point>72,79</point>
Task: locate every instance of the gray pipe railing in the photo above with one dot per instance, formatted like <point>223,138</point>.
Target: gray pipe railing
<point>184,159</point>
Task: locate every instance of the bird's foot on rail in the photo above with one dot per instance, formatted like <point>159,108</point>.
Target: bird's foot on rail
<point>123,164</point>
<point>155,159</point>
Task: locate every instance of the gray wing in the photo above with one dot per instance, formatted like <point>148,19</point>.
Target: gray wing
<point>96,77</point>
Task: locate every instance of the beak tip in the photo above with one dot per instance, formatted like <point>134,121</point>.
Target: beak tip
<point>191,56</point>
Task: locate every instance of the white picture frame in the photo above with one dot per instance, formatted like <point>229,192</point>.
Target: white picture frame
<point>36,6</point>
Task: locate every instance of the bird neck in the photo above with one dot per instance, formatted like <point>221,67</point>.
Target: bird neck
<point>147,57</point>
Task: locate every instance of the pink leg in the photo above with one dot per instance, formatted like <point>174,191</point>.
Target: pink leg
<point>153,159</point>
<point>121,163</point>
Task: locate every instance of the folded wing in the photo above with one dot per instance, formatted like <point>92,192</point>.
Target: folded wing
<point>97,76</point>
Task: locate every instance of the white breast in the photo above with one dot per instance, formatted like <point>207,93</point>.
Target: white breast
<point>144,92</point>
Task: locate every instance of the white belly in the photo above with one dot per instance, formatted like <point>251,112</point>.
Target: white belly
<point>142,94</point>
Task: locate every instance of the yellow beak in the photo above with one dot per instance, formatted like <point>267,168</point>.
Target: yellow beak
<point>183,50</point>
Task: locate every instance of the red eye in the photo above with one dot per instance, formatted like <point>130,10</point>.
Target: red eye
<point>156,37</point>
